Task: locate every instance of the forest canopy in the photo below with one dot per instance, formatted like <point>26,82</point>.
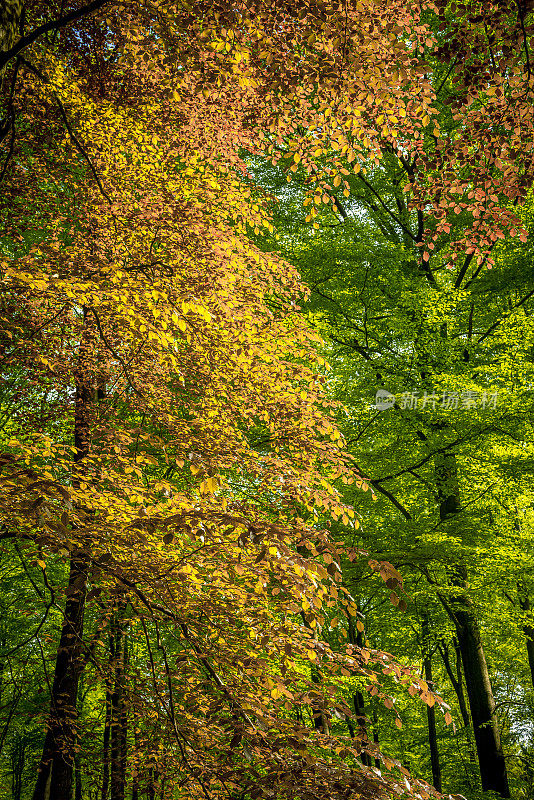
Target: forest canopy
<point>267,360</point>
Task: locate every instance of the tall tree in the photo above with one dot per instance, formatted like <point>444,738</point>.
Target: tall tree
<point>177,435</point>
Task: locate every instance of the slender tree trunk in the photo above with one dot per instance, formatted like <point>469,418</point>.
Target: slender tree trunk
<point>456,680</point>
<point>135,774</point>
<point>431,710</point>
<point>54,780</point>
<point>528,630</point>
<point>457,684</point>
<point>477,679</point>
<point>151,790</point>
<point>78,794</point>
<point>356,637</point>
<point>124,711</point>
<point>376,738</point>
<point>106,736</point>
<point>320,719</point>
<point>464,711</point>
<point>118,711</point>
<point>18,754</point>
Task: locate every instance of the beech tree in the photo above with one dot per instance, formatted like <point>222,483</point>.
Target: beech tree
<point>176,432</point>
<point>177,448</point>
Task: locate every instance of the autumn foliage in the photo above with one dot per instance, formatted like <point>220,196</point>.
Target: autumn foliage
<point>171,438</point>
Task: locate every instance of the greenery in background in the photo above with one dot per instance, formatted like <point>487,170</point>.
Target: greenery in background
<point>385,326</point>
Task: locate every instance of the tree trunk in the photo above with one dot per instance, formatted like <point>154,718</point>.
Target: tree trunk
<point>487,736</point>
<point>430,710</point>
<point>457,684</point>
<point>376,738</point>
<point>78,795</point>
<point>118,710</point>
<point>106,737</point>
<point>18,757</point>
<point>456,680</point>
<point>528,630</point>
<point>319,717</point>
<point>356,637</point>
<point>151,790</point>
<point>54,779</point>
<point>135,765</point>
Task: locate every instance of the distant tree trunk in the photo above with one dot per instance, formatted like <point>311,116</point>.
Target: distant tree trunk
<point>106,736</point>
<point>528,630</point>
<point>457,684</point>
<point>54,780</point>
<point>430,710</point>
<point>135,765</point>
<point>320,719</point>
<point>78,795</point>
<point>376,738</point>
<point>18,757</point>
<point>118,710</point>
<point>487,736</point>
<point>151,789</point>
<point>356,637</point>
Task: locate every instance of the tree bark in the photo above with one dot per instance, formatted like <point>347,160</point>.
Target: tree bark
<point>356,637</point>
<point>376,738</point>
<point>107,723</point>
<point>78,792</point>
<point>151,790</point>
<point>528,630</point>
<point>118,711</point>
<point>54,779</point>
<point>457,684</point>
<point>456,680</point>
<point>430,710</point>
<point>493,772</point>
<point>18,757</point>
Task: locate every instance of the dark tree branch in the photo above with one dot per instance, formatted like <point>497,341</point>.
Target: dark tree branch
<point>54,25</point>
<point>71,133</point>
<point>505,316</point>
<point>386,208</point>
